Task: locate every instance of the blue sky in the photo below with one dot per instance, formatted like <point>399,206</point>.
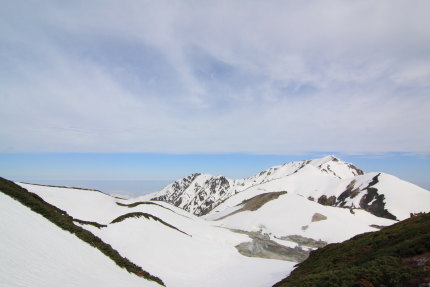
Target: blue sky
<point>195,79</point>
<point>87,168</point>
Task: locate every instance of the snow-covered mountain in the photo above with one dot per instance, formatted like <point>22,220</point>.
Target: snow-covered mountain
<point>202,230</point>
<point>200,193</point>
<point>328,181</point>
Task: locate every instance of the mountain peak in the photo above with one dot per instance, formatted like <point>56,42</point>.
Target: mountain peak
<point>200,193</point>
<point>334,166</point>
<point>326,159</point>
<point>330,158</point>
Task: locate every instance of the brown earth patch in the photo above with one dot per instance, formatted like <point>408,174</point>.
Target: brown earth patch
<point>256,202</point>
<point>318,217</point>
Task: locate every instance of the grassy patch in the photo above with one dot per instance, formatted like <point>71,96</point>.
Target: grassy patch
<point>66,222</point>
<point>147,216</point>
<point>379,258</point>
<point>95,224</point>
<point>134,204</point>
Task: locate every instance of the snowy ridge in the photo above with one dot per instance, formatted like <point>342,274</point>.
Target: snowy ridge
<point>381,194</point>
<point>200,193</point>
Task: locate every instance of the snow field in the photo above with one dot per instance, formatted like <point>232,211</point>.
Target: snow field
<point>35,252</point>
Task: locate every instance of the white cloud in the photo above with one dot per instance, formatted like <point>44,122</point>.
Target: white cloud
<point>225,76</point>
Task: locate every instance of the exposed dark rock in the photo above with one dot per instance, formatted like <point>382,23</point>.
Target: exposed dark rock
<point>302,165</point>
<point>330,201</point>
<point>304,241</point>
<point>318,217</point>
<point>178,188</point>
<point>374,202</point>
<point>177,202</point>
<point>371,201</point>
<point>357,170</point>
<point>272,250</point>
<point>204,197</point>
<point>350,192</point>
<point>261,246</point>
<point>332,172</point>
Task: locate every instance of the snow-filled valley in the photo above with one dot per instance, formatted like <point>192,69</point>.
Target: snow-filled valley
<point>203,230</point>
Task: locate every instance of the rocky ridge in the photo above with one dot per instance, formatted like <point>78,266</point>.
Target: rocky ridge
<point>200,193</point>
<point>328,181</point>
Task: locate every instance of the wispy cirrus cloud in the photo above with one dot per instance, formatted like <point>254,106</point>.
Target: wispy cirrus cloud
<point>228,76</point>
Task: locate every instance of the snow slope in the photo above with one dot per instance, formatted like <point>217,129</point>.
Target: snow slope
<point>34,252</point>
<point>328,180</point>
<point>200,193</point>
<point>291,214</point>
<point>205,257</point>
<point>83,204</point>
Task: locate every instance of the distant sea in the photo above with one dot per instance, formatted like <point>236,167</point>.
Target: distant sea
<point>128,188</point>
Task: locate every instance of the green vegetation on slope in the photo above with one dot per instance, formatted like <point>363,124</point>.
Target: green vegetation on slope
<point>398,255</point>
<point>72,187</point>
<point>147,216</point>
<point>84,222</point>
<point>134,204</point>
<point>64,221</point>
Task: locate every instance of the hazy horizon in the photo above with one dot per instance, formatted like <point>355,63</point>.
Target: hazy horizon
<point>136,173</point>
<point>121,188</point>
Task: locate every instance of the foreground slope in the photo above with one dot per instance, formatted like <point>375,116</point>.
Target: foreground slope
<point>398,255</point>
<point>182,249</point>
<point>36,252</point>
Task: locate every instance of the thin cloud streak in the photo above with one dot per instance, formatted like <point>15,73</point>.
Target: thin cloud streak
<point>271,77</point>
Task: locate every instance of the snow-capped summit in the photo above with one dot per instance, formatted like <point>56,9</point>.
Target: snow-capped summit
<point>200,193</point>
<point>336,167</point>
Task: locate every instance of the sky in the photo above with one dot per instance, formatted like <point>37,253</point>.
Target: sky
<point>267,79</point>
<point>137,173</point>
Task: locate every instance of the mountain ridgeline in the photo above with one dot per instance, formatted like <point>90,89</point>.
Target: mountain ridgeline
<point>328,181</point>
